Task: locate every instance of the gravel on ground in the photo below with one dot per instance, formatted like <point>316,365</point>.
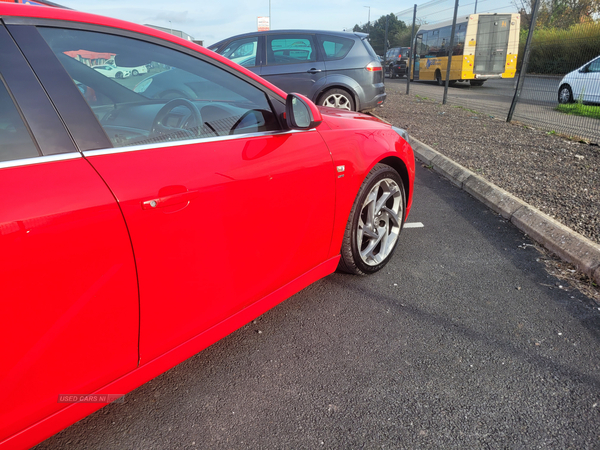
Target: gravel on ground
<point>558,176</point>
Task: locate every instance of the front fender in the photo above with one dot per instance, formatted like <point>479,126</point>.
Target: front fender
<point>355,152</point>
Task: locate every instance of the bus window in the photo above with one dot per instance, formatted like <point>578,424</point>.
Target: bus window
<point>433,42</point>
<point>444,41</point>
<point>459,39</point>
<point>419,45</point>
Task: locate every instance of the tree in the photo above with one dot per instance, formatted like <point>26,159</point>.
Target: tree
<point>398,33</point>
<point>558,13</point>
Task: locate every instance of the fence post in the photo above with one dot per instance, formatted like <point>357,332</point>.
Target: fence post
<point>385,47</point>
<point>450,51</point>
<point>412,51</point>
<point>525,62</point>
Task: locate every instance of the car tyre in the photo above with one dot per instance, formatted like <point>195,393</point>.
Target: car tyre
<point>565,94</point>
<point>119,75</point>
<point>337,98</point>
<point>375,222</point>
<point>135,73</point>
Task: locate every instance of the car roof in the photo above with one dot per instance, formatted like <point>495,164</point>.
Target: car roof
<point>347,34</point>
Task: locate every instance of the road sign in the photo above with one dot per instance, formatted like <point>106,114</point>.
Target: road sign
<point>263,24</point>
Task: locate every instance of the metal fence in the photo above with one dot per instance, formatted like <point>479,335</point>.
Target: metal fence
<point>556,94</point>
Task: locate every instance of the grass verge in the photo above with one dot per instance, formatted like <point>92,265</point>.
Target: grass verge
<point>578,109</point>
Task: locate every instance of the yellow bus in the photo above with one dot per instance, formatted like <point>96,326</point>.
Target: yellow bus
<point>485,46</point>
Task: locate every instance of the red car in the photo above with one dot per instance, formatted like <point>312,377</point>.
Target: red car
<point>140,224</point>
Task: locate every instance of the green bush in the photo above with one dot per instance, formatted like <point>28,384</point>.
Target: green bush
<point>556,51</point>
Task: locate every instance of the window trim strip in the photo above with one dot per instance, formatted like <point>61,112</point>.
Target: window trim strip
<point>40,160</point>
<point>135,148</point>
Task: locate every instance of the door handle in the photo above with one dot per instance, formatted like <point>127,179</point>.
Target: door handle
<point>314,71</point>
<point>169,200</point>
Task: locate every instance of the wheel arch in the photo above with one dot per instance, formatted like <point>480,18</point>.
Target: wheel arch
<point>341,82</point>
<point>398,165</point>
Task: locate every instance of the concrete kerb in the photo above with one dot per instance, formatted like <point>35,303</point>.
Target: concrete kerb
<point>559,239</point>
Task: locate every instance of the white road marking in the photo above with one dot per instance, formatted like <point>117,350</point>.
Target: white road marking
<point>413,225</point>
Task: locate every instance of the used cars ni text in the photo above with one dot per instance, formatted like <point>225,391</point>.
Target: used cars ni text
<point>147,220</point>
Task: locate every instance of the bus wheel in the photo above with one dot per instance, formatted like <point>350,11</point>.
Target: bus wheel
<point>438,78</point>
<point>476,83</point>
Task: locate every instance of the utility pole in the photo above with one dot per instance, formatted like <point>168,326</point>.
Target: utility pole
<point>369,20</point>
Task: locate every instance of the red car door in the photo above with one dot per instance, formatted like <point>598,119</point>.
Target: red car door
<point>69,303</point>
<point>235,225</point>
<point>223,207</point>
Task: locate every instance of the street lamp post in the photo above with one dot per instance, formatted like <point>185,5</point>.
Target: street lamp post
<point>369,20</point>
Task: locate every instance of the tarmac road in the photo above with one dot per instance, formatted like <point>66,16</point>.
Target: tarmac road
<point>462,341</point>
<point>540,90</point>
<point>538,99</point>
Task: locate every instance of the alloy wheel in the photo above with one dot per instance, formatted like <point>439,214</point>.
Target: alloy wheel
<point>379,222</point>
<point>337,101</point>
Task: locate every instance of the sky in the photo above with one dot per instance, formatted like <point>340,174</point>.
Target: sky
<point>212,21</point>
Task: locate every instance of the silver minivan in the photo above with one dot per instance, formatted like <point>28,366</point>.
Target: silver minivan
<point>332,68</point>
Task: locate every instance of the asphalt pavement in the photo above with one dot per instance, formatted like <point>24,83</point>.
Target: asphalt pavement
<point>536,106</point>
<point>462,341</point>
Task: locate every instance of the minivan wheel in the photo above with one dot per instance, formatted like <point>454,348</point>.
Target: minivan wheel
<point>337,98</point>
<point>565,94</point>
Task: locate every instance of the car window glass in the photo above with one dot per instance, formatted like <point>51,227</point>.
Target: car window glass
<point>144,93</point>
<point>595,66</point>
<point>242,51</point>
<point>15,140</point>
<point>290,49</point>
<point>335,47</point>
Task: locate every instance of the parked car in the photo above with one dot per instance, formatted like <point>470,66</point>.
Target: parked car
<point>135,71</point>
<point>396,60</point>
<point>111,71</point>
<point>331,68</point>
<point>140,229</point>
<point>582,84</point>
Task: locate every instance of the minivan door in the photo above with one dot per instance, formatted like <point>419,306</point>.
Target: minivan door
<point>293,63</point>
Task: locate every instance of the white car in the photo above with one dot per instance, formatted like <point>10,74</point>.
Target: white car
<point>582,84</point>
<point>135,71</point>
<point>112,72</point>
